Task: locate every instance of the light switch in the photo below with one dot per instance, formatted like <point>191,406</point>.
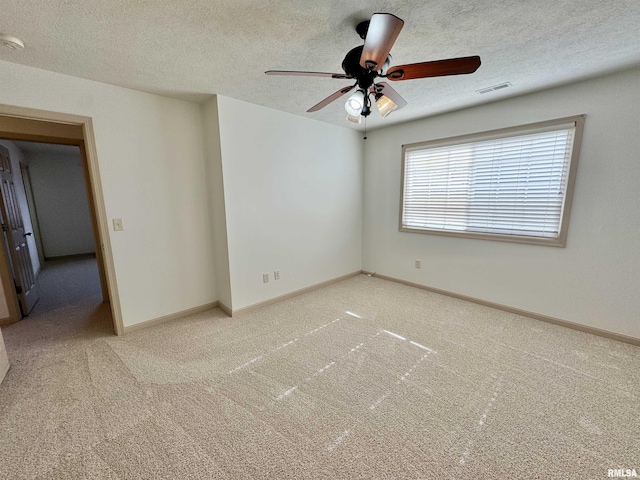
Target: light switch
<point>117,225</point>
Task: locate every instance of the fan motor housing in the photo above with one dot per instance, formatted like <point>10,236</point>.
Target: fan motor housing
<point>351,66</point>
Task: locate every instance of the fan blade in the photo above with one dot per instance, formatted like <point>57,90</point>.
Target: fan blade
<point>308,74</point>
<point>384,28</point>
<point>331,98</point>
<point>439,68</point>
<point>385,89</point>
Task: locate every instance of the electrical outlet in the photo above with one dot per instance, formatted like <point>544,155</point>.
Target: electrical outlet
<point>276,274</point>
<point>265,278</point>
<point>117,225</point>
<point>418,264</point>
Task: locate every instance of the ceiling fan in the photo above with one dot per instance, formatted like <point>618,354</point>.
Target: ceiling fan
<point>366,63</point>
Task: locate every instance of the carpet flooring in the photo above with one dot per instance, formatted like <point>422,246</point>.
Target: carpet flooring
<point>361,379</point>
<point>66,283</point>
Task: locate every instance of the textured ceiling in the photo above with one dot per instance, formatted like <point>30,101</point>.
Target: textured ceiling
<point>193,48</point>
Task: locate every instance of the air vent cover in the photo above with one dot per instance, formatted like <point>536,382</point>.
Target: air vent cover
<point>493,88</point>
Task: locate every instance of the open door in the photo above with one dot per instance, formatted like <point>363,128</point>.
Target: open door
<point>33,214</point>
<point>16,237</point>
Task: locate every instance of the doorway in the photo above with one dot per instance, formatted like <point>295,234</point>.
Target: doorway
<point>61,131</point>
<point>54,225</point>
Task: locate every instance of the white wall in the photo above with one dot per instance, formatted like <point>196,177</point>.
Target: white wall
<point>595,280</point>
<point>216,199</point>
<point>150,153</point>
<point>61,202</point>
<point>293,198</point>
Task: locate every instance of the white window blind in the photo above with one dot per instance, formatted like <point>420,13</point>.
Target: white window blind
<point>508,184</point>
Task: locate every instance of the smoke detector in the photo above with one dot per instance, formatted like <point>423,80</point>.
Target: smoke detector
<point>12,42</point>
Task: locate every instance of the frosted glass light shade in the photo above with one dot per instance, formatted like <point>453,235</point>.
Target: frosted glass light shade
<point>355,118</point>
<point>385,105</point>
<point>355,103</point>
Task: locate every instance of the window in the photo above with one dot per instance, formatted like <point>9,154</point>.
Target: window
<point>512,185</point>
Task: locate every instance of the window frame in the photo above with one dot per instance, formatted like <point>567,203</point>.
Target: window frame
<point>561,239</point>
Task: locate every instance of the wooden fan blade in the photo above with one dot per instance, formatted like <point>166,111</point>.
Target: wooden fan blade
<point>385,89</point>
<point>438,68</point>
<point>384,28</point>
<point>331,98</point>
<point>308,74</point>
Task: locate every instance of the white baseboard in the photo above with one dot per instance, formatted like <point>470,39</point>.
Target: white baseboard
<point>545,318</point>
<point>295,293</point>
<point>229,311</point>
<point>171,316</point>
<point>225,309</point>
<point>537,316</point>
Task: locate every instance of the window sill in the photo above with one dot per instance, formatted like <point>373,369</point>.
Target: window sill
<point>560,241</point>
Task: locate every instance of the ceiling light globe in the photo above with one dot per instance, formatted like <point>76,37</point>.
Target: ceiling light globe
<point>355,103</point>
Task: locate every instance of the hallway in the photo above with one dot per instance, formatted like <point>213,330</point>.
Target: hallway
<point>70,304</point>
<point>67,282</point>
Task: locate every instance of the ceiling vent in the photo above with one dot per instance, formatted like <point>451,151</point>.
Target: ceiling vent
<point>493,88</point>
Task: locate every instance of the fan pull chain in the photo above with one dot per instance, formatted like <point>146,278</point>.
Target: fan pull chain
<point>365,128</point>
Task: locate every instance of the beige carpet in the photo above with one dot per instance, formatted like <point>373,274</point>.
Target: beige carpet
<point>362,379</point>
<point>67,282</point>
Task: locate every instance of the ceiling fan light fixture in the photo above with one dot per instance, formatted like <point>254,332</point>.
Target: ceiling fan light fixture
<point>364,64</point>
<point>355,103</point>
<point>385,105</point>
<point>355,118</point>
